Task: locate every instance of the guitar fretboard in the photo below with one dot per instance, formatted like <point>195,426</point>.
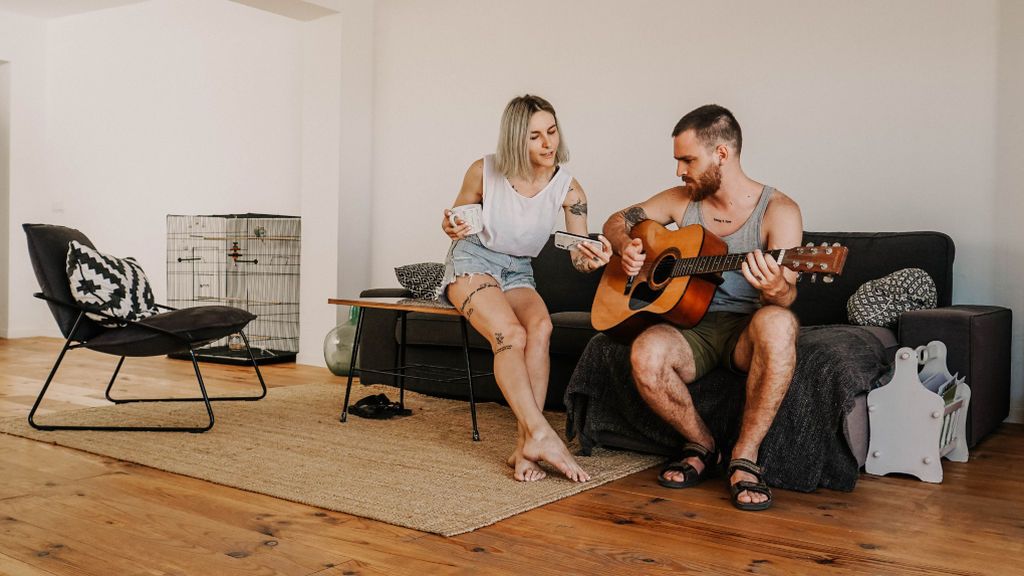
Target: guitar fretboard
<point>707,264</point>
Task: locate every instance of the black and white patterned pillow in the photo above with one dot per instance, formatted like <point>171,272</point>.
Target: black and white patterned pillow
<point>881,302</point>
<point>423,279</point>
<point>114,286</point>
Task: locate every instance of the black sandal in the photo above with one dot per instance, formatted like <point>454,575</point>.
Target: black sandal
<point>378,407</point>
<point>758,487</point>
<point>690,475</point>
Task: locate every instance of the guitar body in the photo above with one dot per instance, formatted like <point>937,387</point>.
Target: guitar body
<point>656,297</point>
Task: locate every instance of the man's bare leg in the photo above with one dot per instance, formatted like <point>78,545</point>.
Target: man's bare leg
<point>482,302</point>
<point>534,317</point>
<point>766,350</point>
<point>663,365</point>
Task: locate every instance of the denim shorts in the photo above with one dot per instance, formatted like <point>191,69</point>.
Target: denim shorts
<point>468,256</point>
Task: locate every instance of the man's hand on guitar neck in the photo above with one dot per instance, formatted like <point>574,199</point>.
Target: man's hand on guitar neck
<point>633,257</point>
<point>764,274</point>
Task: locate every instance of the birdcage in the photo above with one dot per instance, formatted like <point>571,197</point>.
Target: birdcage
<point>249,261</point>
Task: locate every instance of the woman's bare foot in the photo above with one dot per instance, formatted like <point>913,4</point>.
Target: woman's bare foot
<point>525,470</point>
<point>549,447</point>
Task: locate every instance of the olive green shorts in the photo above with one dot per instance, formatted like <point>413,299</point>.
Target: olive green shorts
<point>714,339</point>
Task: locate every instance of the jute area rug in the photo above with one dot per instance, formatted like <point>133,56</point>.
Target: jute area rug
<point>421,471</point>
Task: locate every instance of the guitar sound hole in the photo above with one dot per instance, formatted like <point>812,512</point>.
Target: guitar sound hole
<point>642,296</point>
<point>662,272</point>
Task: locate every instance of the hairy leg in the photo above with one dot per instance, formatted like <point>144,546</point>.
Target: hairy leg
<point>533,315</point>
<point>663,365</point>
<point>766,350</point>
<point>482,302</point>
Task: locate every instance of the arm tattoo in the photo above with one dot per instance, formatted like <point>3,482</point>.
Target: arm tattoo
<point>633,216</point>
<point>579,208</point>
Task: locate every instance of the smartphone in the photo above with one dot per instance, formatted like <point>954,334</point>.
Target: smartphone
<point>566,240</point>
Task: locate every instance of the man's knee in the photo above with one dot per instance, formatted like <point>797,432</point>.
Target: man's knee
<point>775,324</point>
<point>653,357</point>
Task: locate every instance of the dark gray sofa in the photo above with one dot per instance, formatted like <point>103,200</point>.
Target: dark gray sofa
<point>977,337</point>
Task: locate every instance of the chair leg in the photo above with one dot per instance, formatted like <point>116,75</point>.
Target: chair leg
<point>53,372</point>
<point>259,375</point>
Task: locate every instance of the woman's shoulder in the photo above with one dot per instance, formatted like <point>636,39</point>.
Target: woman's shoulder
<point>476,168</point>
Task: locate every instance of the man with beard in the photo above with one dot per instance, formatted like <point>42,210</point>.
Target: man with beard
<point>748,327</point>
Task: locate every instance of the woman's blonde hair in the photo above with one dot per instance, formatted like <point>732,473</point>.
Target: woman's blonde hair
<point>511,158</point>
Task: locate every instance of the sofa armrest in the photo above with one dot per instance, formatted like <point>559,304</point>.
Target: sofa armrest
<point>977,340</point>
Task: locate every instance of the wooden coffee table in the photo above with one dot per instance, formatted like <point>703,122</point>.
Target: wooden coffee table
<point>412,371</point>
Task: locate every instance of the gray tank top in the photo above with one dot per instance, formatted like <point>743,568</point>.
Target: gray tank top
<point>735,294</point>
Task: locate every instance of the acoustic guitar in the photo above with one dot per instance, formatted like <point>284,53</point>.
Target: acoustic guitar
<point>679,278</point>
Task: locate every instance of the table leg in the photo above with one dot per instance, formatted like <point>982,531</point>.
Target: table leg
<point>469,377</point>
<point>352,365</point>
<point>401,362</point>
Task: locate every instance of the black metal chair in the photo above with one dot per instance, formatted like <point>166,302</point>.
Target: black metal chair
<point>173,331</point>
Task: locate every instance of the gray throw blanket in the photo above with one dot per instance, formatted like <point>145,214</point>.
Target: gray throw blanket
<point>805,448</point>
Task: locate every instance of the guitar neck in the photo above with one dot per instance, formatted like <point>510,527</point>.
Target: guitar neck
<point>715,264</point>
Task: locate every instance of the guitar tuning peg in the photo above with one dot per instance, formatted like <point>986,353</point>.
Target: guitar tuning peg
<point>828,250</point>
<point>799,276</point>
<point>828,279</point>
<point>814,278</point>
<point>835,244</point>
<point>824,244</point>
<point>810,244</point>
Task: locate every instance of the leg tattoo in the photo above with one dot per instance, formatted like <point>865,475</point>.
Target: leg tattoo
<point>478,288</point>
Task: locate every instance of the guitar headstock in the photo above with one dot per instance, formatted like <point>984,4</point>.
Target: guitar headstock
<point>827,259</point>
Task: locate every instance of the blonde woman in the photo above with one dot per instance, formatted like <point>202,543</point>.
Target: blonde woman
<point>489,278</point>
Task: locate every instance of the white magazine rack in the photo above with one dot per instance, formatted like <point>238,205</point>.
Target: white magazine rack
<point>913,425</point>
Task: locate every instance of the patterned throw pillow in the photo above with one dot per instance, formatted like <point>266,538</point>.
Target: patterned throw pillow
<point>423,279</point>
<point>880,302</point>
<point>114,286</point>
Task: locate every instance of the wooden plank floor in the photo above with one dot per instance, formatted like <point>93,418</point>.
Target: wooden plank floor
<point>67,512</point>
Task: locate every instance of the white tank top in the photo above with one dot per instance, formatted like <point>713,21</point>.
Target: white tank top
<point>514,224</point>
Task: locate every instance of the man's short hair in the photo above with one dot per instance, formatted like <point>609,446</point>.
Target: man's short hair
<point>712,124</point>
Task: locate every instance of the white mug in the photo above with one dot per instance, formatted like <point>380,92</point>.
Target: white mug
<point>472,214</point>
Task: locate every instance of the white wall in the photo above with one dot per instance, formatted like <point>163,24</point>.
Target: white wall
<point>170,107</point>
<point>5,203</point>
<point>1009,192</point>
<point>844,106</point>
<point>321,174</point>
<point>873,115</point>
<point>22,46</point>
<point>186,107</point>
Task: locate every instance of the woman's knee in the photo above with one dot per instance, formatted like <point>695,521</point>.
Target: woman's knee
<point>538,331</point>
<point>508,336</point>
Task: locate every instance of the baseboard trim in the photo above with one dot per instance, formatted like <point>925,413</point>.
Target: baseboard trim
<point>11,334</point>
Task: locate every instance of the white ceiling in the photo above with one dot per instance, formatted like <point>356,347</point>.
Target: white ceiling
<point>296,9</point>
<point>58,8</point>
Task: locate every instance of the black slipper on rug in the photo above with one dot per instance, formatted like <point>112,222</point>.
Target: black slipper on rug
<point>378,407</point>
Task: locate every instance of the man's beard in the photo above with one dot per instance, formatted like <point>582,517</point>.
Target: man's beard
<point>705,185</point>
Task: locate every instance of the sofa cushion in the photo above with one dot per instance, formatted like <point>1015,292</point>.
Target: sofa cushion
<point>423,279</point>
<point>570,334</point>
<point>881,302</point>
<point>563,288</point>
